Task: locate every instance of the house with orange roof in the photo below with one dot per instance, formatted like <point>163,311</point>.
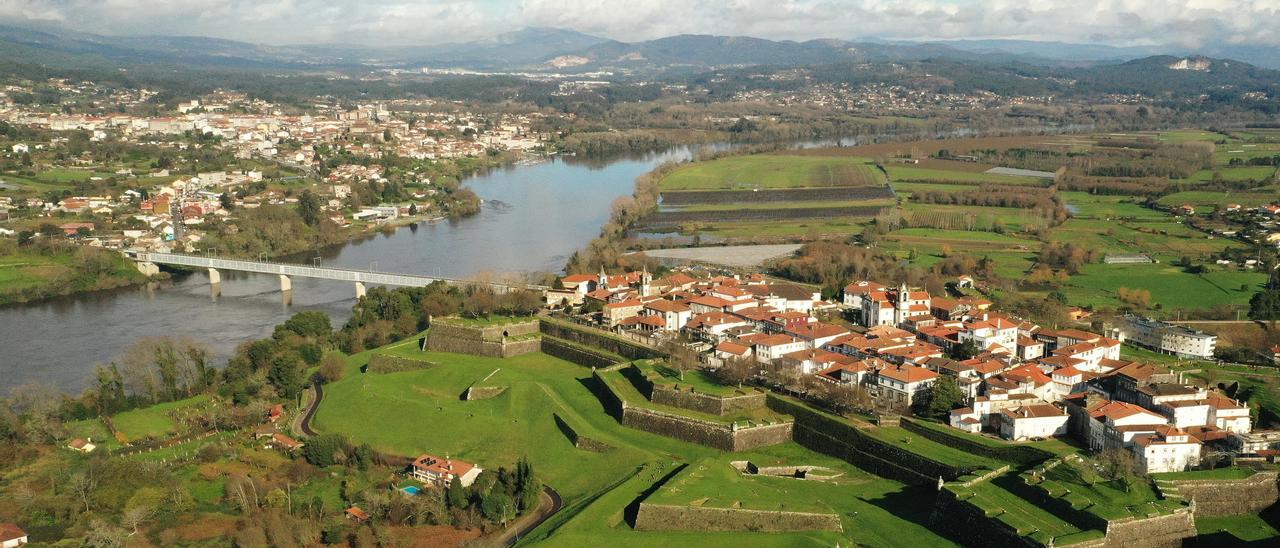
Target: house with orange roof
<point>1091,353</point>
<point>989,331</point>
<point>811,360</point>
<point>12,536</point>
<point>438,471</point>
<point>729,350</point>
<point>817,334</point>
<point>714,326</point>
<point>1167,449</point>
<point>852,373</point>
<point>674,314</point>
<point>614,313</point>
<point>902,384</point>
<point>772,347</point>
<point>1113,424</point>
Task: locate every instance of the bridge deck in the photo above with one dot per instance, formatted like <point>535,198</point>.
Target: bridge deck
<point>319,272</point>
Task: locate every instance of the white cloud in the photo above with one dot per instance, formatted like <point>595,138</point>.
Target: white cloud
<point>1188,23</point>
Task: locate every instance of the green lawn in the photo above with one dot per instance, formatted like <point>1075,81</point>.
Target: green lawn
<point>885,202</point>
<point>622,383</point>
<point>773,171</point>
<point>91,429</point>
<point>699,379</point>
<point>1243,173</point>
<point>1105,498</point>
<point>1254,529</point>
<point>837,225</point>
<point>154,421</point>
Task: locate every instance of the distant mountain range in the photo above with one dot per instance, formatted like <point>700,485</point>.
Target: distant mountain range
<point>564,51</point>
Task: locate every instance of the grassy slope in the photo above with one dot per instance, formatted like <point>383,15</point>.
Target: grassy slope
<point>420,411</point>
<point>152,421</point>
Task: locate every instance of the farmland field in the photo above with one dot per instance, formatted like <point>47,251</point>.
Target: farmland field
<point>1170,286</point>
<point>907,173</point>
<point>772,171</point>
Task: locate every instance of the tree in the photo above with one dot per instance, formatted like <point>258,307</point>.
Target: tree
<point>134,517</point>
<point>456,495</point>
<point>964,351</point>
<point>306,324</point>
<point>309,208</point>
<point>332,368</point>
<point>413,210</point>
<point>1265,304</point>
<point>226,201</point>
<point>735,371</point>
<point>325,449</point>
<point>104,535</point>
<point>497,506</point>
<point>1118,465</point>
<point>941,398</point>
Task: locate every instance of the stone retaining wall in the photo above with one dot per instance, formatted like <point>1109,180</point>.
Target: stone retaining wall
<point>719,436</point>
<point>594,338</point>
<point>446,337</point>
<point>662,517</point>
<point>1165,531</point>
<point>586,357</point>
<point>707,403</point>
<point>578,440</point>
<point>1227,497</point>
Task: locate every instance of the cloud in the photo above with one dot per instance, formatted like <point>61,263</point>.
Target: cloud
<point>1184,23</point>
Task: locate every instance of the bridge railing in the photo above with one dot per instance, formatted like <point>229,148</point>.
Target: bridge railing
<point>326,273</point>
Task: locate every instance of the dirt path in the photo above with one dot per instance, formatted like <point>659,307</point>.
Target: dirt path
<point>305,425</point>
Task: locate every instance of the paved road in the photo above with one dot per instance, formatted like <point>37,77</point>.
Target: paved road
<point>311,411</point>
<point>545,511</point>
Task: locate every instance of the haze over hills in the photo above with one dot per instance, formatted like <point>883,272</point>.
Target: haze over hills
<point>541,49</point>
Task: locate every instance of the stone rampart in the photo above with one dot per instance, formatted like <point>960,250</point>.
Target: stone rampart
<point>570,352</point>
<point>724,437</point>
<point>594,338</point>
<point>662,517</point>
<point>459,339</point>
<point>687,398</point>
<point>578,440</point>
<point>1162,531</point>
<point>1231,497</point>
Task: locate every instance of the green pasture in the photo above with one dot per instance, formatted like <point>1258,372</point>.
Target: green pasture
<point>924,174</point>
<point>773,171</point>
<point>155,421</point>
<point>1170,286</point>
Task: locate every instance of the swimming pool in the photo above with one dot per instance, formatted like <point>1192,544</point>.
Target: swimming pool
<point>412,489</point>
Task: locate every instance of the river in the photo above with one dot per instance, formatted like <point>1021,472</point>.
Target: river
<point>533,217</point>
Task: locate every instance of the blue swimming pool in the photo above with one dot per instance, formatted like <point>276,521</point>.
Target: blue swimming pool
<point>412,489</point>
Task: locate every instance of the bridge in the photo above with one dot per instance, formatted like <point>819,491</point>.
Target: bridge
<point>148,264</point>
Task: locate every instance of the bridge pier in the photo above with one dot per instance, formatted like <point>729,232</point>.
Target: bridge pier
<point>215,283</point>
<point>285,283</point>
<point>359,290</point>
<point>148,268</point>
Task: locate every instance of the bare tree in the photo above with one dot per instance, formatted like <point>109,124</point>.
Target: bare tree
<point>736,371</point>
<point>82,485</point>
<point>134,517</point>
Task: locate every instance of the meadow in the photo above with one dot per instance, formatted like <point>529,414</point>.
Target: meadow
<point>772,171</point>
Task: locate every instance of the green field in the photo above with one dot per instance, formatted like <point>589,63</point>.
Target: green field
<point>1238,530</point>
<point>1244,173</point>
<point>773,171</point>
<point>923,174</point>
<point>153,422</point>
<point>1085,205</point>
<point>1169,285</point>
<point>1208,199</point>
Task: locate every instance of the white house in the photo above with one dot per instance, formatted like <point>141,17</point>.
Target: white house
<point>991,331</point>
<point>674,314</point>
<point>901,384</point>
<point>1168,449</point>
<point>1032,421</point>
<point>11,536</point>
<point>772,347</point>
<point>21,148</point>
<point>438,471</point>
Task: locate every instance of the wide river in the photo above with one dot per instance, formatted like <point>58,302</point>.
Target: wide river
<point>534,216</point>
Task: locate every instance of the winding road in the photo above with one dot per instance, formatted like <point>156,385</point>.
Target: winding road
<point>305,425</point>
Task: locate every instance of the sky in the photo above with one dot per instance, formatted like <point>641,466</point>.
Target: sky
<point>1185,23</point>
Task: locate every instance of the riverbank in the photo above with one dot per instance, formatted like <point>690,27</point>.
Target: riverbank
<point>28,275</point>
